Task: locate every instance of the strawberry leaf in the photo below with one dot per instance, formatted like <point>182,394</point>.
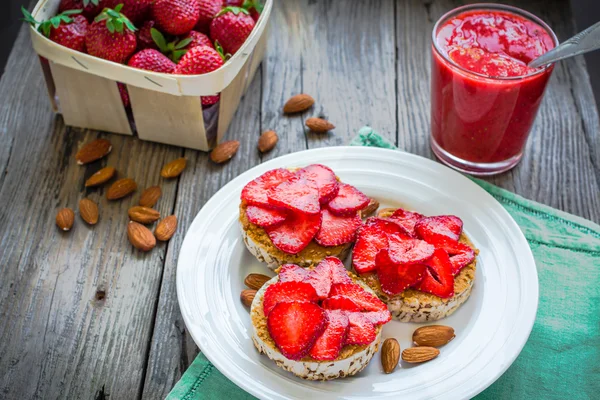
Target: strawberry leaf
<point>159,39</point>
<point>177,54</point>
<point>27,17</point>
<point>110,25</point>
<point>183,43</point>
<point>234,10</point>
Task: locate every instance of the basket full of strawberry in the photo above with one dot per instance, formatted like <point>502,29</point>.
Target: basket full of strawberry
<point>171,71</point>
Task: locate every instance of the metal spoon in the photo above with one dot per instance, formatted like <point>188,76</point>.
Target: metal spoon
<point>585,41</point>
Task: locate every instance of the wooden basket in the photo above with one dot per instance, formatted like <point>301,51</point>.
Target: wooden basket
<point>164,108</point>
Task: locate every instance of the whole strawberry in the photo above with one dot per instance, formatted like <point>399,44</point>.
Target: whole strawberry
<point>197,61</point>
<point>199,39</point>
<point>144,36</point>
<point>231,27</point>
<point>67,29</point>
<point>176,17</point>
<point>90,8</point>
<point>255,7</point>
<point>152,60</point>
<point>208,10</point>
<point>124,94</point>
<point>111,36</point>
<point>136,10</point>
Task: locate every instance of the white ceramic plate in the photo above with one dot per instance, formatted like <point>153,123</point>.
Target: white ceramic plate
<point>491,327</point>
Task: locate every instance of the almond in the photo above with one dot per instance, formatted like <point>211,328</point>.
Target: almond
<point>166,228</point>
<point>298,103</point>
<point>88,210</point>
<point>247,296</point>
<point>150,196</point>
<point>65,219</point>
<point>267,141</point>
<point>433,335</point>
<point>143,215</point>
<point>319,125</point>
<point>224,151</point>
<point>256,281</point>
<point>370,208</point>
<point>93,151</point>
<point>140,237</point>
<point>419,354</point>
<point>390,355</point>
<point>385,212</point>
<point>174,168</point>
<point>100,177</point>
<point>121,188</point>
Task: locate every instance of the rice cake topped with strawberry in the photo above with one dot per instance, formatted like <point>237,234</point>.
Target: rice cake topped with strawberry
<point>423,268</point>
<point>320,323</point>
<point>300,216</point>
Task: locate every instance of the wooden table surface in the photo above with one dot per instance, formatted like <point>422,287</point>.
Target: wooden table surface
<point>364,61</point>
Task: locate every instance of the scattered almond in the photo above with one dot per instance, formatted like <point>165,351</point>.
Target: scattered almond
<point>65,219</point>
<point>385,212</point>
<point>267,141</point>
<point>390,355</point>
<point>433,335</point>
<point>419,354</point>
<point>224,151</point>
<point>93,151</point>
<point>319,125</point>
<point>370,208</point>
<point>150,196</point>
<point>256,281</point>
<point>174,168</point>
<point>143,215</point>
<point>166,228</point>
<point>298,103</point>
<point>88,210</point>
<point>247,296</point>
<point>140,237</point>
<point>121,188</point>
<point>100,177</point>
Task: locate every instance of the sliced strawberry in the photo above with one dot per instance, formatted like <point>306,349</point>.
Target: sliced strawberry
<point>409,251</point>
<point>329,344</point>
<point>348,200</point>
<point>438,279</point>
<point>435,228</point>
<point>372,237</point>
<point>339,273</point>
<point>292,273</point>
<point>287,291</point>
<point>336,230</point>
<point>255,192</point>
<point>325,179</point>
<point>296,193</point>
<point>320,279</point>
<point>395,277</point>
<point>365,300</point>
<point>295,233</point>
<point>262,216</point>
<point>406,219</point>
<point>340,303</point>
<point>460,254</point>
<point>378,317</point>
<point>295,327</point>
<point>361,331</point>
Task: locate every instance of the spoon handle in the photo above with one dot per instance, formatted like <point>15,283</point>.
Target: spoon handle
<point>583,42</point>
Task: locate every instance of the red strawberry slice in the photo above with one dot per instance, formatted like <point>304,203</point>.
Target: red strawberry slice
<point>372,238</point>
<point>339,273</point>
<point>297,194</point>
<point>329,344</point>
<point>340,303</point>
<point>255,192</point>
<point>378,317</point>
<point>348,200</point>
<point>361,331</point>
<point>295,327</point>
<point>365,300</point>
<point>325,179</point>
<point>287,291</point>
<point>336,230</point>
<point>460,254</point>
<point>438,279</point>
<point>295,233</point>
<point>406,219</point>
<point>320,279</point>
<point>394,277</point>
<point>409,251</point>
<point>292,273</point>
<point>262,216</point>
<point>435,228</point>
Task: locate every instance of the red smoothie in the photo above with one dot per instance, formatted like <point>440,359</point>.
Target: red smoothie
<point>484,97</point>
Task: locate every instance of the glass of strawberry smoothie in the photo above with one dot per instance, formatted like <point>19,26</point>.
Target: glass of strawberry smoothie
<point>484,98</point>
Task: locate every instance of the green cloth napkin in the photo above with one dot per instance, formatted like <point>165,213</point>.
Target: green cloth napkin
<point>561,360</point>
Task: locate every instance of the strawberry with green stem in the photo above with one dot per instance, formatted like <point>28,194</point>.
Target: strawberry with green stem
<point>231,27</point>
<point>90,8</point>
<point>136,10</point>
<point>255,7</point>
<point>67,29</point>
<point>111,36</point>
